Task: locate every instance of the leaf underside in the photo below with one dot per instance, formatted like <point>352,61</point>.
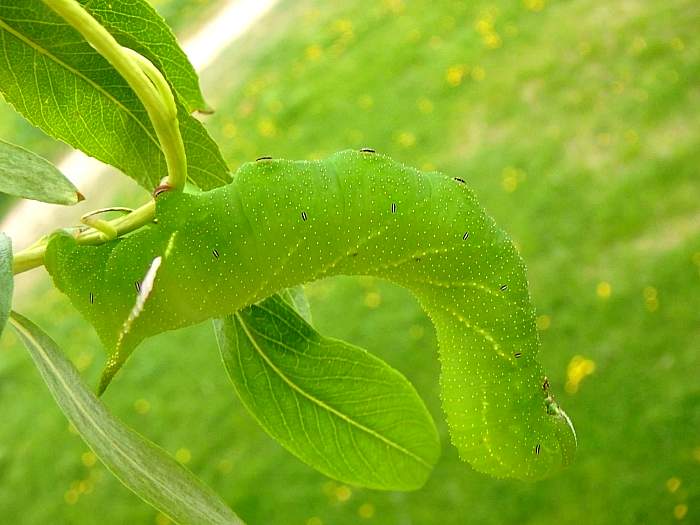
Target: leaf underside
<point>27,175</point>
<point>139,464</point>
<point>6,279</point>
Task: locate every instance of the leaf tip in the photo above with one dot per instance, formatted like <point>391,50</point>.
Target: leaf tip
<point>105,380</point>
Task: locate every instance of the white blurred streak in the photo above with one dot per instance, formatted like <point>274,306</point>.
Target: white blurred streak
<point>144,291</point>
<point>30,219</point>
<point>232,21</point>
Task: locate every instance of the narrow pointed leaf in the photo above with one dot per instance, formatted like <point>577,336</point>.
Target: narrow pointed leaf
<point>58,82</point>
<point>335,406</point>
<point>139,464</point>
<point>6,279</point>
<point>27,175</point>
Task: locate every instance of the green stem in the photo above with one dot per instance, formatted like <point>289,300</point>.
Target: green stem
<point>156,96</point>
<point>143,77</point>
<point>33,256</point>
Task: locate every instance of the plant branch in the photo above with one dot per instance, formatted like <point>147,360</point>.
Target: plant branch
<point>33,256</point>
<point>143,77</point>
<point>155,94</point>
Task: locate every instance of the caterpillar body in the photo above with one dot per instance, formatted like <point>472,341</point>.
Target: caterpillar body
<point>281,223</point>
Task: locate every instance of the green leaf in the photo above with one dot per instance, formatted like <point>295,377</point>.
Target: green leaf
<point>27,175</point>
<point>333,405</point>
<point>136,25</point>
<point>140,465</point>
<point>63,86</point>
<point>6,279</point>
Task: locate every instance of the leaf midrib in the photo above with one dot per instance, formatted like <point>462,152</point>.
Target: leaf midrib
<point>323,405</point>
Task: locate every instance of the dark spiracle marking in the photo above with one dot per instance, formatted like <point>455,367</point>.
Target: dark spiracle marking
<point>537,449</point>
<point>518,354</point>
<point>215,253</point>
<point>465,236</point>
<point>266,157</point>
<point>353,254</point>
<point>92,298</point>
<point>137,284</point>
<point>304,216</point>
<point>393,207</point>
<point>504,287</point>
<point>461,181</point>
<point>417,259</point>
<point>545,384</point>
<point>367,150</point>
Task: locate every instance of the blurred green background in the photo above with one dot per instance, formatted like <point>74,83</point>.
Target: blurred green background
<point>577,122</point>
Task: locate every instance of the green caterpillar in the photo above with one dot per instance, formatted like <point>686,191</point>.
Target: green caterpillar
<point>281,223</point>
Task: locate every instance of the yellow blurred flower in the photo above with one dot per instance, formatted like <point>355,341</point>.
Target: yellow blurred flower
<point>313,52</point>
<point>677,44</point>
<point>651,298</point>
<point>603,290</point>
<point>183,455</point>
<point>511,178</point>
<point>406,139</point>
<point>230,130</point>
<point>267,128</point>
<point>142,406</point>
<point>484,25</point>
<point>534,5</point>
<point>680,510</point>
<point>543,322</point>
<point>373,300</point>
<point>673,484</point>
<point>492,40</point>
<point>579,367</point>
<point>366,510</point>
<point>395,6</point>
<point>88,458</point>
<point>455,74</point>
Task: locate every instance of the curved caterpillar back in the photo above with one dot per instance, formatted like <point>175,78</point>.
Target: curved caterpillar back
<point>282,223</point>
